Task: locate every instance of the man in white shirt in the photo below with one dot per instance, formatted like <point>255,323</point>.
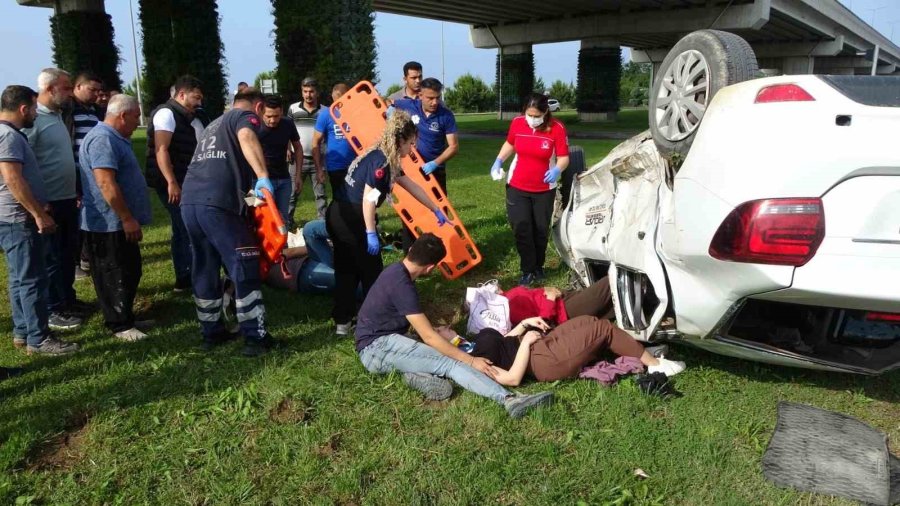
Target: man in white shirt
<point>304,115</point>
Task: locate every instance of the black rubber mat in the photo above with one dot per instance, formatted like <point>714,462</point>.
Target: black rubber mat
<point>829,453</point>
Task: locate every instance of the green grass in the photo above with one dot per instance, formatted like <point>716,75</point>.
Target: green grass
<point>159,422</point>
<point>628,121</point>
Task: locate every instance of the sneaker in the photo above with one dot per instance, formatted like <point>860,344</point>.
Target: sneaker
<point>182,285</point>
<point>259,347</point>
<point>517,405</point>
<point>342,329</point>
<point>218,339</point>
<point>434,388</point>
<point>52,346</point>
<point>666,366</point>
<point>527,279</point>
<point>10,372</point>
<point>60,321</point>
<point>19,342</point>
<point>539,276</point>
<point>131,335</point>
<point>81,274</point>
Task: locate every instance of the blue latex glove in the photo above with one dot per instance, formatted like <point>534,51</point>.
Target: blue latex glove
<point>441,217</point>
<point>429,167</point>
<point>497,170</point>
<point>373,245</point>
<point>263,183</point>
<point>389,112</point>
<point>552,175</point>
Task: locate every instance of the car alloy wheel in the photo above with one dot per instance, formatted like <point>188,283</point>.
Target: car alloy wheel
<point>682,97</point>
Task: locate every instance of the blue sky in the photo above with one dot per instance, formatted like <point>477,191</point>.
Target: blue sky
<point>247,35</point>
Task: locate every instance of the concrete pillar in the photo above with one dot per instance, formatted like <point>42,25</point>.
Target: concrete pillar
<point>63,6</point>
<point>515,78</point>
<point>795,65</point>
<point>599,73</point>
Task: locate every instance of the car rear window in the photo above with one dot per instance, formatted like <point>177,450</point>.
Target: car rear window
<point>878,91</point>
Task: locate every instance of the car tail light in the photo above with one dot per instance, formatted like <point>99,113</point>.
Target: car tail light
<point>771,231</point>
<point>883,317</point>
<point>783,93</point>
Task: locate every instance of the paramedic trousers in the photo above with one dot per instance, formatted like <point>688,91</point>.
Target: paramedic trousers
<point>352,263</point>
<point>576,343</point>
<point>222,239</point>
<point>529,216</point>
<point>406,234</point>
<point>116,269</point>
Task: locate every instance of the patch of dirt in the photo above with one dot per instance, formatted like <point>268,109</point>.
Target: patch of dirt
<point>291,410</point>
<point>330,447</point>
<point>62,451</point>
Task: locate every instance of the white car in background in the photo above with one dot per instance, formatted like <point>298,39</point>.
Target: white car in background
<point>768,231</point>
<point>554,104</point>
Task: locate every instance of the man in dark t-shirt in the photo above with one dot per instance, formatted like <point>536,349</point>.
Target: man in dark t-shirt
<point>392,305</point>
<point>227,158</point>
<point>275,135</point>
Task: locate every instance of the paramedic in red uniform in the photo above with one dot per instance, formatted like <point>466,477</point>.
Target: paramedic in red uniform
<point>531,186</point>
<point>228,157</point>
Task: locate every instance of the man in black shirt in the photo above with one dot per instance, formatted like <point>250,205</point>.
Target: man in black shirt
<point>275,134</point>
<point>392,305</point>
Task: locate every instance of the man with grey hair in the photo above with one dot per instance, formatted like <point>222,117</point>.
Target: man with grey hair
<point>114,208</point>
<point>52,145</point>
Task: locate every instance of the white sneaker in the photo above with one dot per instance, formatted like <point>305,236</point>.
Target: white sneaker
<point>667,367</point>
<point>342,329</point>
<point>131,335</point>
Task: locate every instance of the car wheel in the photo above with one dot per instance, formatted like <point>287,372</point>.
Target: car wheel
<point>576,166</point>
<point>700,64</point>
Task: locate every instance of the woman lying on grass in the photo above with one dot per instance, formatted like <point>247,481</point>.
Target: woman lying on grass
<point>546,354</point>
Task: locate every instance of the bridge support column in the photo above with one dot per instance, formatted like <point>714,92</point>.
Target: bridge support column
<point>515,78</point>
<point>794,65</point>
<point>599,73</point>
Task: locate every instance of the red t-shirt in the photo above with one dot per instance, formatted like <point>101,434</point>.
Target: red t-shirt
<point>534,148</point>
<point>528,302</point>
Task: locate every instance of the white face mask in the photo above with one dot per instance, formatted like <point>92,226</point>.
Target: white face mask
<point>534,122</point>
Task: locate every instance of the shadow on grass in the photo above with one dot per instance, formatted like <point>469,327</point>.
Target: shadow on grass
<point>884,388</point>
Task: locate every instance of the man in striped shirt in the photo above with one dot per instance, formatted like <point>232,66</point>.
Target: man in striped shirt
<point>85,116</point>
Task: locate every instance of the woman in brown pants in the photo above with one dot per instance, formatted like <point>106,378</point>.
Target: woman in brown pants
<point>562,352</point>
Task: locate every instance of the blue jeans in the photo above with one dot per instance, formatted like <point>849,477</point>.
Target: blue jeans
<point>397,352</point>
<point>181,244</point>
<point>283,190</point>
<point>315,278</point>
<point>24,250</point>
<point>315,233</point>
<point>60,253</point>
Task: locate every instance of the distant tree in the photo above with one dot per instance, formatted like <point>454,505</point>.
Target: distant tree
<point>83,40</point>
<point>539,86</point>
<point>563,92</point>
<point>470,94</point>
<point>268,74</point>
<point>394,88</point>
<point>131,89</point>
<point>634,88</point>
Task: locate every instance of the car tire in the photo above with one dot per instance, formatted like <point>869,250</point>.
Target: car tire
<point>576,166</point>
<point>723,58</point>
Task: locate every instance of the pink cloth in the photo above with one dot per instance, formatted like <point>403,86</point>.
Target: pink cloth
<point>608,373</point>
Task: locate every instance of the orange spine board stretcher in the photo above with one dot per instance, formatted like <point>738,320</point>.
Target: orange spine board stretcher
<point>360,114</point>
<point>272,235</point>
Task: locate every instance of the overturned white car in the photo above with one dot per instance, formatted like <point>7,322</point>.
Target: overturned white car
<point>770,230</point>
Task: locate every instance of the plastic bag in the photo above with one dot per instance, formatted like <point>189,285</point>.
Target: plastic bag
<point>487,308</point>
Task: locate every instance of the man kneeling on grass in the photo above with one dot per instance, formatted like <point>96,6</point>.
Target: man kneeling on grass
<point>392,305</point>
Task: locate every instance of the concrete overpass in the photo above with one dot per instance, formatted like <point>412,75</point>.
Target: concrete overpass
<point>792,36</point>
